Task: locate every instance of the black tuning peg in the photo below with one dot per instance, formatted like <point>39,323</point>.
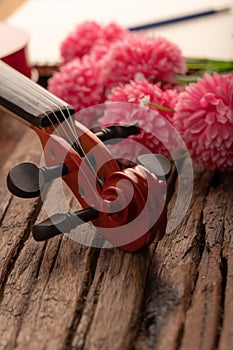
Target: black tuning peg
<point>156,164</point>
<point>62,223</point>
<point>26,180</point>
<point>112,134</point>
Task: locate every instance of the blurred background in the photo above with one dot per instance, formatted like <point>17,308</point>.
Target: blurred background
<point>47,22</point>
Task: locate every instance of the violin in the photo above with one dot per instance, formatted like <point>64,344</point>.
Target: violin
<point>126,205</point>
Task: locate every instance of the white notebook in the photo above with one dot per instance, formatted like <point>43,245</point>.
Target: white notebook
<point>49,21</point>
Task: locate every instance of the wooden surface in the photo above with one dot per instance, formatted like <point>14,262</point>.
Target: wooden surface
<point>7,7</point>
<point>62,295</point>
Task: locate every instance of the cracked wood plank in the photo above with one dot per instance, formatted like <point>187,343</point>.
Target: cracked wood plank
<point>11,132</point>
<point>57,295</point>
<point>120,299</point>
<point>15,222</point>
<point>226,331</point>
<point>201,324</point>
<point>172,276</point>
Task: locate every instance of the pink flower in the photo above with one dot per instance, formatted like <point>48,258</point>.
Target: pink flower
<point>79,42</point>
<point>113,32</point>
<point>156,135</point>
<point>136,91</point>
<point>80,84</point>
<point>88,37</point>
<point>204,117</point>
<point>155,58</point>
<point>110,34</point>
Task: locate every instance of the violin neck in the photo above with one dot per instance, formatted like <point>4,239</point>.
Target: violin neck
<point>29,101</point>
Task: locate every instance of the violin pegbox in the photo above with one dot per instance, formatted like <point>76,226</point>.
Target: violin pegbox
<point>128,207</point>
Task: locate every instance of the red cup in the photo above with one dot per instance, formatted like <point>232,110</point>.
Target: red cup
<point>13,48</point>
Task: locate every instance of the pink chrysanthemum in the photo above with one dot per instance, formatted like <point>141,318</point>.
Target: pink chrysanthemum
<point>204,117</point>
<point>110,34</point>
<point>103,46</point>
<point>89,37</point>
<point>80,84</point>
<point>137,91</point>
<point>155,58</point>
<point>113,32</point>
<point>79,42</point>
<point>156,135</point>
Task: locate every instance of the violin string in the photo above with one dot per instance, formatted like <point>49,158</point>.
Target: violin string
<point>90,165</point>
<point>30,104</point>
<point>42,92</point>
<point>28,94</point>
<point>87,159</point>
<point>50,98</point>
<point>46,95</point>
<point>40,110</point>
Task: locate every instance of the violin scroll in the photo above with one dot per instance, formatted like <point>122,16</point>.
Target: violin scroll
<point>118,217</point>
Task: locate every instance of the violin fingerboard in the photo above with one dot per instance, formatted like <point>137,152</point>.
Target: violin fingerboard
<point>29,101</point>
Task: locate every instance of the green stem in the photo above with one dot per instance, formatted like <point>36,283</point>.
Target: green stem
<point>162,108</point>
<point>205,64</point>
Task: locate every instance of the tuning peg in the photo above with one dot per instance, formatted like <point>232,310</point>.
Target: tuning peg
<point>62,223</point>
<point>112,133</point>
<point>26,180</point>
<point>156,163</point>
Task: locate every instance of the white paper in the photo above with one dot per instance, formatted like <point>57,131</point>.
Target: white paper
<point>49,21</point>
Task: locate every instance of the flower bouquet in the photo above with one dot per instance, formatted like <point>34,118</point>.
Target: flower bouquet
<point>102,64</point>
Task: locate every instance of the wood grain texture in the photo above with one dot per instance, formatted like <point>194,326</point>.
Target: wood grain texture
<point>64,295</point>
